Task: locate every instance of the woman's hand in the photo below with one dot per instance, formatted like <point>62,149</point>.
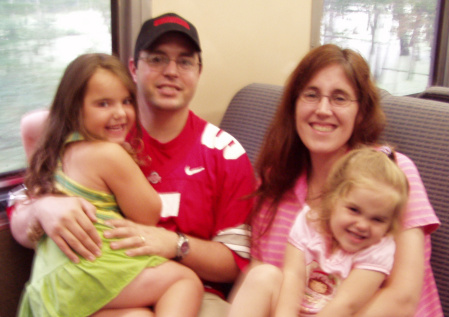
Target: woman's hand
<point>142,239</point>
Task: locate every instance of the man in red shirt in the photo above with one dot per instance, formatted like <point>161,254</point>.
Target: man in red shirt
<point>201,173</point>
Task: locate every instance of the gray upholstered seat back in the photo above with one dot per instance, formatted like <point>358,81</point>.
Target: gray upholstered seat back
<point>418,128</point>
<point>436,93</point>
<point>249,114</point>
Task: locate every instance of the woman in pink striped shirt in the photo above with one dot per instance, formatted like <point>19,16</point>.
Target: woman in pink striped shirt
<point>340,111</point>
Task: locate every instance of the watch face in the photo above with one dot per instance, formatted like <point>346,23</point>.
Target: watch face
<point>184,247</point>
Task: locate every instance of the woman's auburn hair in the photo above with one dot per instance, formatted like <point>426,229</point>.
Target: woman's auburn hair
<point>65,116</point>
<point>283,156</point>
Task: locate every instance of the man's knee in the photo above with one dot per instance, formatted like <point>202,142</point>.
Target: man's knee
<point>213,306</point>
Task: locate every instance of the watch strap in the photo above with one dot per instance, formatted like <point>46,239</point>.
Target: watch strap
<point>183,247</point>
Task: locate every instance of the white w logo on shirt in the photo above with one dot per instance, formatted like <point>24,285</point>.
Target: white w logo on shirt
<point>215,138</point>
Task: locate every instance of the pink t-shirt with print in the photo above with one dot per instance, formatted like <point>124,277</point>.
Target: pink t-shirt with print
<point>325,272</point>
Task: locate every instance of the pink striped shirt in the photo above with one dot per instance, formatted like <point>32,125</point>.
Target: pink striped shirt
<point>270,247</point>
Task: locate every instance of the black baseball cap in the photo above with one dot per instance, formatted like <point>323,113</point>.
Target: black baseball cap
<point>170,22</point>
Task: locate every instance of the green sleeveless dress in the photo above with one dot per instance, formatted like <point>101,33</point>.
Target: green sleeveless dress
<point>59,287</point>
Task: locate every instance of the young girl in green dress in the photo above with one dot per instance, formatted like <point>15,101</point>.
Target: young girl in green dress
<point>83,153</point>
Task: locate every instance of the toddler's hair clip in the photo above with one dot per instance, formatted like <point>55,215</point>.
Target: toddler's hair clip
<point>387,151</point>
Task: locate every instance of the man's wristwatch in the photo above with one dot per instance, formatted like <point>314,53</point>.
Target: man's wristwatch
<point>183,247</point>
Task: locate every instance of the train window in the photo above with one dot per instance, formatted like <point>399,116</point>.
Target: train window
<point>38,40</point>
<point>395,37</point>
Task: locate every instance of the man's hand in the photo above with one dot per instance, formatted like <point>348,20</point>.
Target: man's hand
<point>66,220</point>
<point>141,239</point>
<point>210,260</point>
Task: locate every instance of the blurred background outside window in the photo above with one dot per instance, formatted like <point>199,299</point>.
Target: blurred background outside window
<point>395,37</point>
<point>38,39</point>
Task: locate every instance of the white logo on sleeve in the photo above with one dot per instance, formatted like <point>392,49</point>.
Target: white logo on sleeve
<point>191,171</point>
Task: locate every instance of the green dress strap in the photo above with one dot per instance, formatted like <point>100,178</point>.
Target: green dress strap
<point>106,203</point>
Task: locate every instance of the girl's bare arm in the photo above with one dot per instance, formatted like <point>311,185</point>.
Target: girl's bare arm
<point>400,296</point>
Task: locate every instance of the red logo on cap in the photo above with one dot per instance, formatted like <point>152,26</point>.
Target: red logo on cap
<point>172,20</point>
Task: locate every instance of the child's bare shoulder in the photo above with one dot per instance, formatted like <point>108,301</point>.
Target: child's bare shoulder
<point>104,148</point>
<point>99,152</point>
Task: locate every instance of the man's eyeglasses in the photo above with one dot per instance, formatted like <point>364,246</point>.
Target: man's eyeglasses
<point>337,99</point>
<point>158,62</point>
